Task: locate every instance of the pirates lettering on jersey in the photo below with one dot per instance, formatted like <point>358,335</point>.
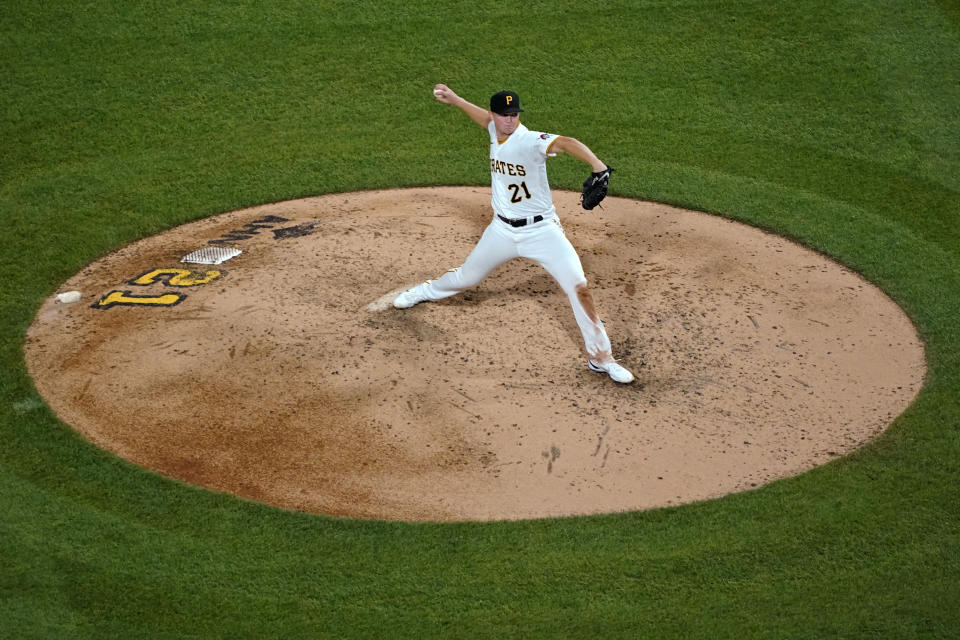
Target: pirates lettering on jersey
<point>507,169</point>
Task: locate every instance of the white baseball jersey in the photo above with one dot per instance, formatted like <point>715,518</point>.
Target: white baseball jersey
<point>518,173</point>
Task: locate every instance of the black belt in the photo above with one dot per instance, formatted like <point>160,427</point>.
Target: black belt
<point>522,222</point>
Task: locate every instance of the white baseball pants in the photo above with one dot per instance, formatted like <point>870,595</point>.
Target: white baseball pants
<point>545,243</point>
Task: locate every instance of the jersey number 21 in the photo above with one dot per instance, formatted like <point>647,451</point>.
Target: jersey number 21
<point>516,192</point>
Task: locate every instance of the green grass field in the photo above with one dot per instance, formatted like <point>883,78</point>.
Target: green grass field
<point>834,123</point>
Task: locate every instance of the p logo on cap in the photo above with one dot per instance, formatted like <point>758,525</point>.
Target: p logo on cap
<point>505,102</point>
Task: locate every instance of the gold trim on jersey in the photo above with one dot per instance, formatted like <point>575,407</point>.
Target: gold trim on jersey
<point>552,142</point>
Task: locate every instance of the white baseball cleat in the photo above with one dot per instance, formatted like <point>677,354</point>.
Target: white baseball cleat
<point>410,297</point>
<point>614,370</point>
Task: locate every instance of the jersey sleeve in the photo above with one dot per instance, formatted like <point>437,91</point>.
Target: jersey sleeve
<point>544,141</point>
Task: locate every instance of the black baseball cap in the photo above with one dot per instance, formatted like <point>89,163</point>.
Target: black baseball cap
<point>505,102</point>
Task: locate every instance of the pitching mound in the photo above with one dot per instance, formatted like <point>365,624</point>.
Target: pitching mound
<point>283,375</point>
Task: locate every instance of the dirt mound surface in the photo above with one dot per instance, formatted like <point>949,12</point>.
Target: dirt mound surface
<point>283,375</point>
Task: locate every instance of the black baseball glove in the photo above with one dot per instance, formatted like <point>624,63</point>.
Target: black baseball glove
<point>595,188</point>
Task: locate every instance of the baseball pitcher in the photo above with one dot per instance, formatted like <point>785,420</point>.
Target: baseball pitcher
<point>525,223</point>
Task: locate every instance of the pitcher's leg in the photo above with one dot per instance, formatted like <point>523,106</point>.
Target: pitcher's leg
<point>559,258</point>
<point>595,339</point>
<point>492,250</point>
<point>554,252</point>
